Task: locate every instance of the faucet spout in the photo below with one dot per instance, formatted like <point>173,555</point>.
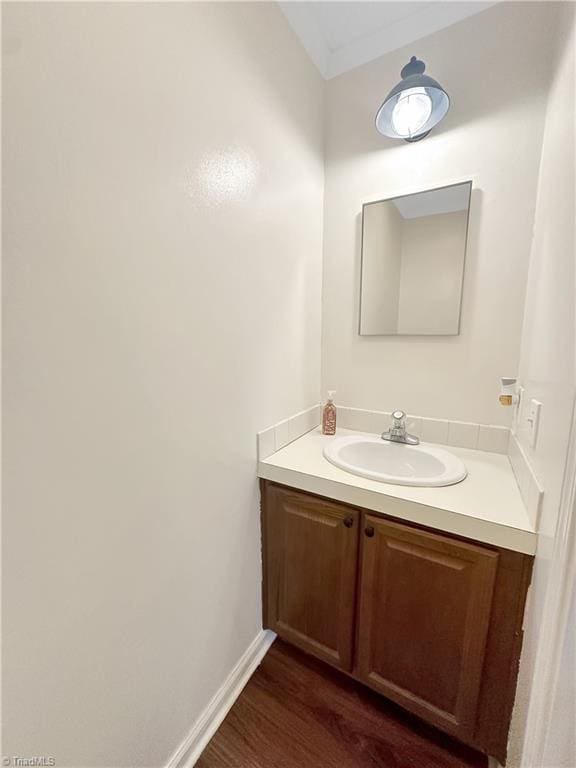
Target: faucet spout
<point>397,432</point>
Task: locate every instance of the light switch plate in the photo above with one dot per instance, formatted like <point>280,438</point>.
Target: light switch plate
<point>533,420</point>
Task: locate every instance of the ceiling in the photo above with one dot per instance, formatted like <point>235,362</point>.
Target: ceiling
<point>342,35</point>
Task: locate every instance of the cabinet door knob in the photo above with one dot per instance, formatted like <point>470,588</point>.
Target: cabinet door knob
<point>349,521</point>
<point>369,531</point>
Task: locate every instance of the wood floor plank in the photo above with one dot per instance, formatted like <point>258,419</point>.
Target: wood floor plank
<point>296,712</point>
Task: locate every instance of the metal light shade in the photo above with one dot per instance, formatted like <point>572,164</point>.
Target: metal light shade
<point>414,106</point>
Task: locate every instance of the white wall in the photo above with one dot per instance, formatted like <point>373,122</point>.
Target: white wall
<point>548,373</point>
<point>163,219</point>
<point>559,748</point>
<point>495,67</point>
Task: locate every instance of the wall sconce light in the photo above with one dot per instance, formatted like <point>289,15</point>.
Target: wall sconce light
<point>414,106</point>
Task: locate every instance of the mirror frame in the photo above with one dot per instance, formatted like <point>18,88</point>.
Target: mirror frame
<point>468,181</point>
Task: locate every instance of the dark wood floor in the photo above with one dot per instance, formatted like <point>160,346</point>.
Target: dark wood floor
<point>299,713</point>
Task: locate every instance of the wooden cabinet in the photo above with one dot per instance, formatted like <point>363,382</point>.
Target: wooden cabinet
<point>424,612</point>
<point>310,552</point>
<point>430,620</point>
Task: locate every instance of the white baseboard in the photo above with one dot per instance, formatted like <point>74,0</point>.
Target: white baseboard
<point>209,721</point>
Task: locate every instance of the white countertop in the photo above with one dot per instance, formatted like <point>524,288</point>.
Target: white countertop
<point>486,506</point>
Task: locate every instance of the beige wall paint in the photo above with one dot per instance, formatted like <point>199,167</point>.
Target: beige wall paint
<point>162,222</point>
<point>493,134</point>
<point>433,250</point>
<point>548,373</point>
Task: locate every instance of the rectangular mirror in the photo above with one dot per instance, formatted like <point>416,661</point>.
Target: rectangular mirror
<point>413,253</point>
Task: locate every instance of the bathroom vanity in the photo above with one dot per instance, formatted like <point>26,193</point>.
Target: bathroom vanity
<point>403,589</point>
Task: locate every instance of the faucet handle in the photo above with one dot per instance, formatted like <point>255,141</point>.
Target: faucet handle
<point>398,417</point>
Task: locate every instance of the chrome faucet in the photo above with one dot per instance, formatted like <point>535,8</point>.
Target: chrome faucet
<point>397,432</point>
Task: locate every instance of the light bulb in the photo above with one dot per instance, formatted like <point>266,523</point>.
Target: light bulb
<point>411,112</point>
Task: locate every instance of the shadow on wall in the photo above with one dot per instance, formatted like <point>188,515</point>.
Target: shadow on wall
<point>468,308</point>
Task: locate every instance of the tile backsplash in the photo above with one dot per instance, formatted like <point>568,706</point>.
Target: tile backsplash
<point>462,434</point>
<point>528,483</point>
<point>272,439</point>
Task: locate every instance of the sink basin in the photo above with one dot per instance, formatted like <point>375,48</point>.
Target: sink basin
<point>377,459</point>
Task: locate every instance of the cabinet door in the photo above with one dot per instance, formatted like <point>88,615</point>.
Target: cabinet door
<point>311,555</point>
<point>425,602</point>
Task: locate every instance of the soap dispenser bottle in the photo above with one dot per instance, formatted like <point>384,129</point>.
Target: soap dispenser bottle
<point>508,392</point>
<point>329,415</point>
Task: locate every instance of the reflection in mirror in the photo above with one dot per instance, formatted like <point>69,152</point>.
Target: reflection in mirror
<point>413,252</point>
